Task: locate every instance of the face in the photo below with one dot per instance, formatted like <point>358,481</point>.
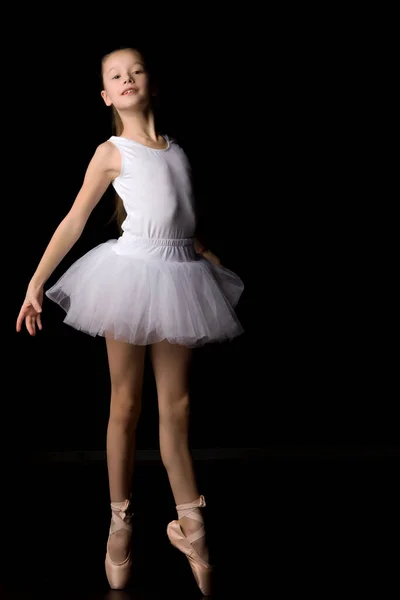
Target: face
<point>125,80</point>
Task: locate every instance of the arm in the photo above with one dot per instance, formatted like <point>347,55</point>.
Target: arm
<point>202,249</point>
<point>104,166</point>
<point>199,246</point>
<point>102,169</point>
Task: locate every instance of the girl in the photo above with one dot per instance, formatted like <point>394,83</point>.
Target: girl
<point>156,286</point>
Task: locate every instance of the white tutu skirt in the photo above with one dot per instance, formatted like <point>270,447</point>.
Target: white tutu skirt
<point>145,290</point>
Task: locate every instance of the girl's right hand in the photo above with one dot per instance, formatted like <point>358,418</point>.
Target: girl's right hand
<point>31,309</point>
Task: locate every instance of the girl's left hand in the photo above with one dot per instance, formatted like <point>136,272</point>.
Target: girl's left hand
<point>31,309</point>
<point>212,258</point>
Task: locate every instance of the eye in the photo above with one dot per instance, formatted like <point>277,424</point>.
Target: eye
<point>115,76</point>
<point>136,72</point>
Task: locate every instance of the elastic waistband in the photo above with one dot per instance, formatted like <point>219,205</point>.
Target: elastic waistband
<point>158,241</point>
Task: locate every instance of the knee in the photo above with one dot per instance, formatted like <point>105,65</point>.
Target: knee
<point>174,412</point>
<point>125,406</point>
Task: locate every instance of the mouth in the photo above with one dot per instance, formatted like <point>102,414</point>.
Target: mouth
<point>130,91</point>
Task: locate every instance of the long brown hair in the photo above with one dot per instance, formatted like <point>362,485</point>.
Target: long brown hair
<point>117,127</point>
<point>119,212</point>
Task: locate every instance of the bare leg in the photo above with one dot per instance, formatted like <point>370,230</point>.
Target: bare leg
<point>126,363</point>
<point>171,364</point>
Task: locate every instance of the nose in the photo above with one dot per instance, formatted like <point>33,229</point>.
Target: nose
<point>129,79</point>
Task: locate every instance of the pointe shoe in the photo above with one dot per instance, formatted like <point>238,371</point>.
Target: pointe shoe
<point>202,571</point>
<point>118,574</point>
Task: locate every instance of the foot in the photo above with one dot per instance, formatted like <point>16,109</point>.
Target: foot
<point>188,535</point>
<point>189,526</point>
<point>119,545</point>
<point>118,561</point>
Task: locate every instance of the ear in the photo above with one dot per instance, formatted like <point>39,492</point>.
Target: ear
<point>106,98</point>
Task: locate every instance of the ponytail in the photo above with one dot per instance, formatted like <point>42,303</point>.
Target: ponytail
<point>120,212</point>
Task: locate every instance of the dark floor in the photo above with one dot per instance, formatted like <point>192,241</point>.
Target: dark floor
<point>278,527</point>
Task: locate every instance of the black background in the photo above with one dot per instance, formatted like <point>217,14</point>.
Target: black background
<point>260,128</point>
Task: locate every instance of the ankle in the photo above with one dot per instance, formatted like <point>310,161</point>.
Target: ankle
<point>190,525</point>
<point>119,505</point>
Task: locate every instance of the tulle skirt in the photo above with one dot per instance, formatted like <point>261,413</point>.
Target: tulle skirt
<point>145,290</point>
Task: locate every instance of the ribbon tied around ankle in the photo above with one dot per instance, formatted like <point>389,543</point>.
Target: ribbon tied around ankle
<point>121,517</point>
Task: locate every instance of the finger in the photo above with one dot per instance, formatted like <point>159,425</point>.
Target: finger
<point>29,325</point>
<point>20,319</point>
<point>39,321</point>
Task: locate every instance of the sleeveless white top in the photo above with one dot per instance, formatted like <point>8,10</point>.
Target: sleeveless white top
<point>156,190</point>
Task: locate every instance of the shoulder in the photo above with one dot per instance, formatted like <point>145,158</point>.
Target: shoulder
<point>177,146</point>
<point>106,157</point>
<point>105,150</point>
<point>173,142</point>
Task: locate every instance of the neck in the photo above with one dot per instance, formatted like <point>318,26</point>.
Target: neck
<point>139,125</point>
